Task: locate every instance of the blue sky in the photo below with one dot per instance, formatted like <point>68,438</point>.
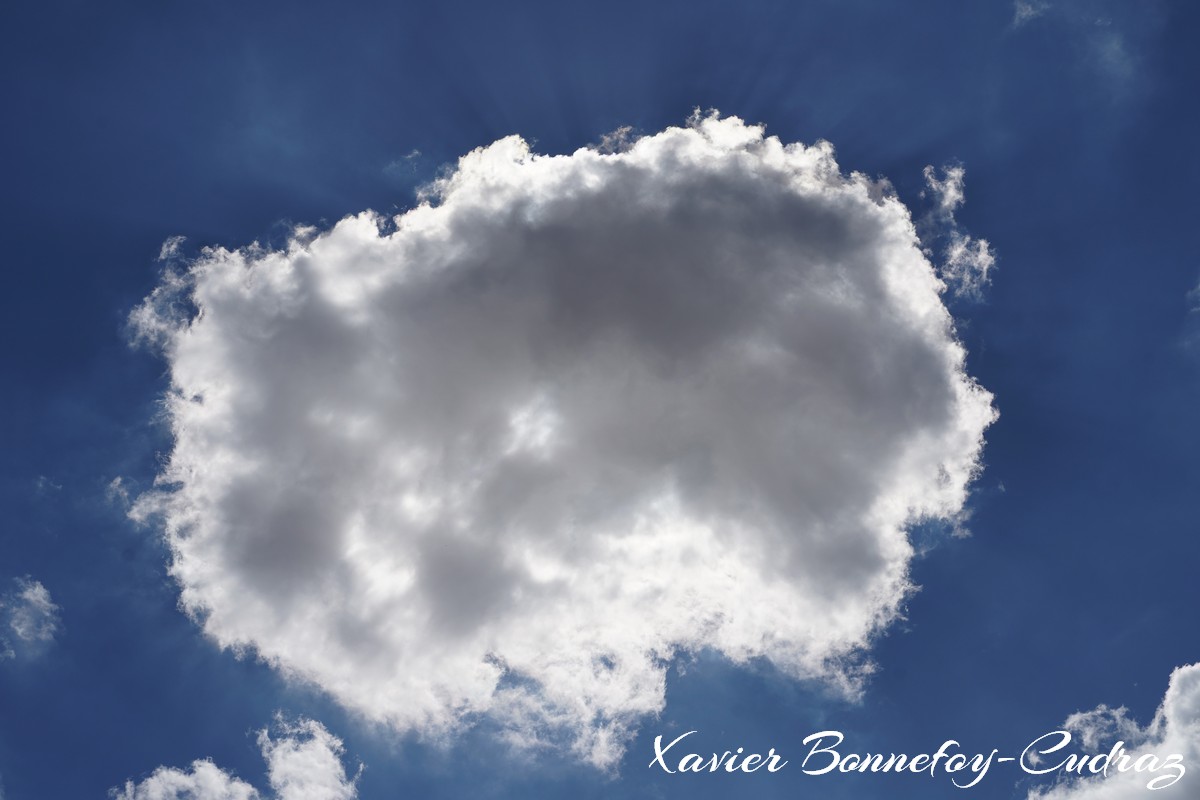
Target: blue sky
<point>129,124</point>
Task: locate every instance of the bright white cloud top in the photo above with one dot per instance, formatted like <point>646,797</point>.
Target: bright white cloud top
<point>510,451</point>
<point>1174,731</point>
<point>303,763</point>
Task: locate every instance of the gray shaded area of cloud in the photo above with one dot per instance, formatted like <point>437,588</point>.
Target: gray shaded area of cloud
<point>509,452</point>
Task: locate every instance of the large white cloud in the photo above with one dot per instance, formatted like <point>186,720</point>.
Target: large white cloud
<point>304,762</point>
<point>510,451</point>
<point>1174,731</point>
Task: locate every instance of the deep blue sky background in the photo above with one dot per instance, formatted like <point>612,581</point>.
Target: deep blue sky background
<point>127,123</point>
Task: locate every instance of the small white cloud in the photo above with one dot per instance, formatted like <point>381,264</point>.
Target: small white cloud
<point>44,485</point>
<point>117,493</point>
<point>171,247</point>
<point>204,781</point>
<point>1103,724</point>
<point>304,762</point>
<point>967,262</point>
<point>1174,731</point>
<point>1026,10</point>
<point>512,451</point>
<point>948,191</point>
<point>28,619</point>
<point>1110,49</point>
<point>1111,53</point>
<point>403,166</point>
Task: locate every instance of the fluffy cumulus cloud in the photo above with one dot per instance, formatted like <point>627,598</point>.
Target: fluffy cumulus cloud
<point>1150,754</point>
<point>28,619</point>
<point>304,762</point>
<point>509,452</point>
